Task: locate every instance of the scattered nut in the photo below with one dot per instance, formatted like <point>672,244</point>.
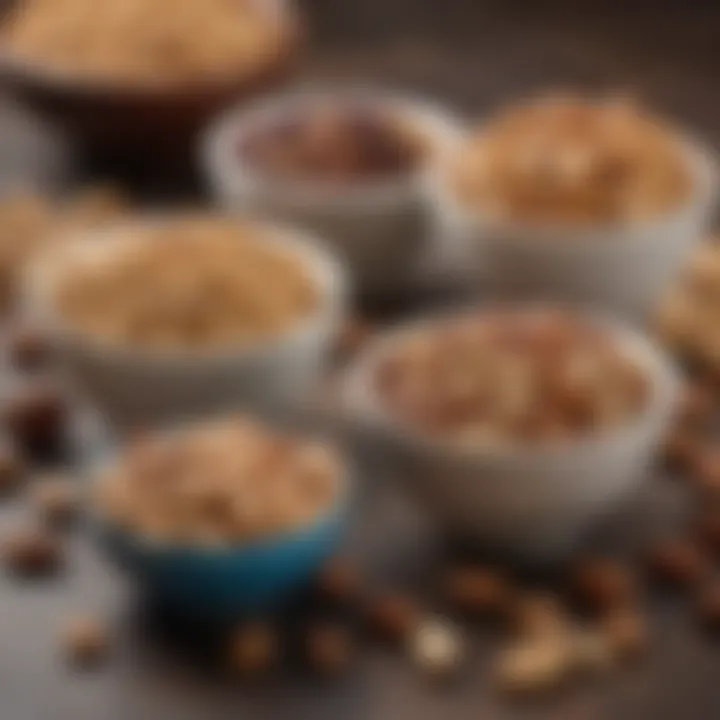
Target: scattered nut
<point>329,648</point>
<point>708,607</point>
<point>55,498</point>
<point>602,584</point>
<point>533,667</point>
<point>677,562</point>
<point>436,647</point>
<point>626,633</point>
<point>339,581</point>
<point>85,641</point>
<point>253,649</point>
<point>477,590</point>
<point>32,552</point>
<point>538,615</point>
<point>392,617</point>
<point>36,417</point>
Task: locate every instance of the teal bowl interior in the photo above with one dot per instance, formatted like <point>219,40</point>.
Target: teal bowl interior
<point>218,583</point>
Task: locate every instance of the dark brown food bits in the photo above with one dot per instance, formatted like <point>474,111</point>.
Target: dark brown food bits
<point>339,581</point>
<point>28,350</point>
<point>601,584</point>
<point>706,471</point>
<point>538,615</point>
<point>329,648</point>
<point>392,617</point>
<point>677,562</point>
<point>477,590</point>
<point>85,641</point>
<point>707,529</point>
<point>32,552</point>
<point>253,649</point>
<point>12,469</point>
<point>708,607</point>
<point>36,417</point>
<point>626,633</point>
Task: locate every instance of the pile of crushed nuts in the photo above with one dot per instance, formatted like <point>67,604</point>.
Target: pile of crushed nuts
<point>511,375</point>
<point>146,42</point>
<point>191,283</point>
<point>221,482</point>
<point>566,160</point>
<point>336,142</point>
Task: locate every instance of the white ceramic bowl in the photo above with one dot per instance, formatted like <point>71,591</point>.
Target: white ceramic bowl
<point>136,387</point>
<point>532,501</point>
<point>380,227</point>
<point>622,268</point>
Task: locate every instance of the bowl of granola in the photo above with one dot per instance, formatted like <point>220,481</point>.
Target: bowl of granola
<point>517,426</point>
<point>171,316</point>
<point>224,516</point>
<point>564,198</point>
<point>143,74</point>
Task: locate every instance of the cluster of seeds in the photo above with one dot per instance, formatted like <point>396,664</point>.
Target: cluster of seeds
<point>194,283</point>
<point>571,161</point>
<point>336,143</point>
<point>220,482</point>
<point>29,223</point>
<point>147,42</point>
<point>690,315</point>
<point>511,375</point>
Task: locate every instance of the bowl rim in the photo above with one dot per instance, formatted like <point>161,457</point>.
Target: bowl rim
<point>227,168</point>
<point>13,64</point>
<point>586,238</point>
<point>325,269</point>
<point>361,402</point>
<point>336,512</point>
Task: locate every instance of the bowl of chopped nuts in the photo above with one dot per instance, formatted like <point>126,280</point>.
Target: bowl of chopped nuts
<point>347,164</point>
<point>139,77</point>
<point>566,199</point>
<point>517,427</point>
<point>222,517</point>
<point>166,317</point>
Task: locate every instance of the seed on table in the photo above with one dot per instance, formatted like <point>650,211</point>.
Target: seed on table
<point>253,649</point>
<point>338,580</point>
<point>601,584</point>
<point>437,647</point>
<point>477,590</point>
<point>627,633</point>
<point>85,641</point>
<point>677,562</point>
<point>329,648</point>
<point>392,617</point>
<point>707,606</point>
<point>32,552</point>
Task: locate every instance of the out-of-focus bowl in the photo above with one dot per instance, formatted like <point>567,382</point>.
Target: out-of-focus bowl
<point>134,387</point>
<point>380,226</point>
<point>223,582</point>
<point>623,268</point>
<point>532,501</point>
<point>132,122</point>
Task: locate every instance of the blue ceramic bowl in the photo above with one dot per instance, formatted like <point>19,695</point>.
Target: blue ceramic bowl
<point>218,583</point>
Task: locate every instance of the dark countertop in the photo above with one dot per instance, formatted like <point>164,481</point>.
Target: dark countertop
<point>472,54</point>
